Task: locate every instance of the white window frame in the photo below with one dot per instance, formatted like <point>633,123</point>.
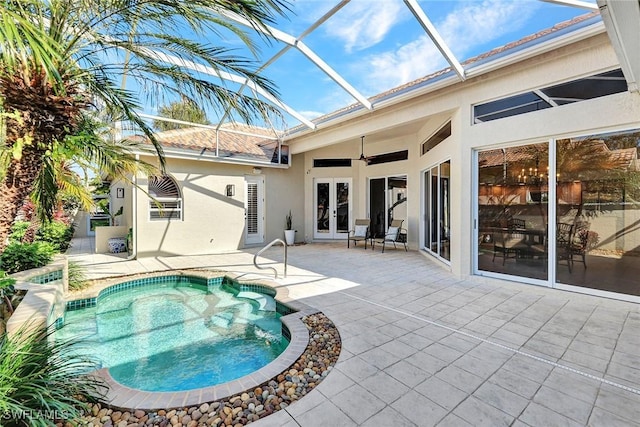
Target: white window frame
<point>158,206</point>
<point>166,208</point>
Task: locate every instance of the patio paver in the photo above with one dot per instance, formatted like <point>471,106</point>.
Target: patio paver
<point>422,347</point>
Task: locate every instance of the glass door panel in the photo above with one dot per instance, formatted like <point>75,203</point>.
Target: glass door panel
<point>437,214</point>
<point>598,212</point>
<point>397,199</point>
<point>332,214</point>
<point>323,208</point>
<point>377,206</point>
<point>387,201</point>
<point>433,209</point>
<point>513,202</point>
<point>342,207</point>
<point>444,213</point>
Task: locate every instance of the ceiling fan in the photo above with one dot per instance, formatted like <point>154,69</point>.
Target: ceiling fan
<point>362,156</point>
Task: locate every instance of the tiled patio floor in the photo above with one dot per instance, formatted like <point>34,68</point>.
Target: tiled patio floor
<point>422,348</point>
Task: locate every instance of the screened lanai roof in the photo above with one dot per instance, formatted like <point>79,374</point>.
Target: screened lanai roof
<point>331,58</point>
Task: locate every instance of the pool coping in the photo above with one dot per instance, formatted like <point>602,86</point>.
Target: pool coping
<point>124,397</point>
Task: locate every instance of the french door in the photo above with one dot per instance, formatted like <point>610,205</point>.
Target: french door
<point>254,210</point>
<point>332,208</point>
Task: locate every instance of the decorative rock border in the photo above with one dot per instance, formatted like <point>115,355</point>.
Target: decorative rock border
<point>240,409</point>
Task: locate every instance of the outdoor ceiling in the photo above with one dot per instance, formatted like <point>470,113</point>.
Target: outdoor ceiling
<point>329,55</point>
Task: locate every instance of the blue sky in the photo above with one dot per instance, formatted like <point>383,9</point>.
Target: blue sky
<point>378,44</point>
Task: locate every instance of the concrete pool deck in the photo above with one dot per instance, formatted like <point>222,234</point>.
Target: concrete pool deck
<point>421,347</point>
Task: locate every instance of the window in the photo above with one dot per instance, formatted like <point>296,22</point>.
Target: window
<point>443,133</point>
<point>331,163</point>
<point>166,202</point>
<point>554,96</point>
<point>396,156</point>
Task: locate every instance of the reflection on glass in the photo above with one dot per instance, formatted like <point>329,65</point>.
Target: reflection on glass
<point>377,206</point>
<point>437,210</point>
<point>433,238</point>
<point>397,198</point>
<point>387,201</point>
<point>342,212</point>
<point>322,225</point>
<point>513,186</point>
<point>444,214</point>
<point>598,205</point>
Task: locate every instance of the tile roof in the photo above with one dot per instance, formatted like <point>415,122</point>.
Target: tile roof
<point>234,139</point>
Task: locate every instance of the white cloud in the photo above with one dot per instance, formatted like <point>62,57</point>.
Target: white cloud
<point>479,23</point>
<point>468,26</point>
<point>363,23</point>
<point>409,62</point>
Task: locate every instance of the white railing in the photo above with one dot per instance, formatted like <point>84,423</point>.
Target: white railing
<point>255,257</point>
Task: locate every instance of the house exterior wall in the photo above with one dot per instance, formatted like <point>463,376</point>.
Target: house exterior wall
<point>407,125</point>
<point>213,222</point>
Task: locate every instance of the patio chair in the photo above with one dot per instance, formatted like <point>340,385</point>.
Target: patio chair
<point>579,243</point>
<point>516,223</point>
<point>395,234</point>
<point>564,235</point>
<point>509,243</point>
<point>359,233</point>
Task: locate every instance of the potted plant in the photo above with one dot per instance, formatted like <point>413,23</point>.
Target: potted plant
<point>289,233</point>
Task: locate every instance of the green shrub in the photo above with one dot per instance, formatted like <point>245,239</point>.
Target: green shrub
<point>6,290</point>
<point>57,233</point>
<point>24,256</point>
<point>42,379</point>
<point>18,230</point>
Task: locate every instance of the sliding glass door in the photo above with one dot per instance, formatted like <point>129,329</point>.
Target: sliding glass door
<point>598,206</point>
<point>513,211</point>
<point>565,212</point>
<point>387,201</point>
<point>437,213</point>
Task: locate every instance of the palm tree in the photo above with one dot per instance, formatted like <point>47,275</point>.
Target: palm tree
<point>61,58</point>
<point>183,110</point>
<point>91,149</point>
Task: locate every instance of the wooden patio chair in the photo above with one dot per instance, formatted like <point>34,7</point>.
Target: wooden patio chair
<point>564,235</point>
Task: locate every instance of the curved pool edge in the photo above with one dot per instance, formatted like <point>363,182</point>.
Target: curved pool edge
<point>125,397</point>
<point>121,396</point>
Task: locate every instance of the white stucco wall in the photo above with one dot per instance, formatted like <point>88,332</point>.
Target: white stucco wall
<point>213,222</point>
<point>407,125</point>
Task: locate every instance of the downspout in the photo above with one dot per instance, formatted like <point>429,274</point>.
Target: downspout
<point>134,214</point>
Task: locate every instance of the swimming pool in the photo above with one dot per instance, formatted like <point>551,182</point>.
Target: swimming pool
<point>178,333</point>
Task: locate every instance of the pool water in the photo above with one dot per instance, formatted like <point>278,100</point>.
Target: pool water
<point>176,336</point>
